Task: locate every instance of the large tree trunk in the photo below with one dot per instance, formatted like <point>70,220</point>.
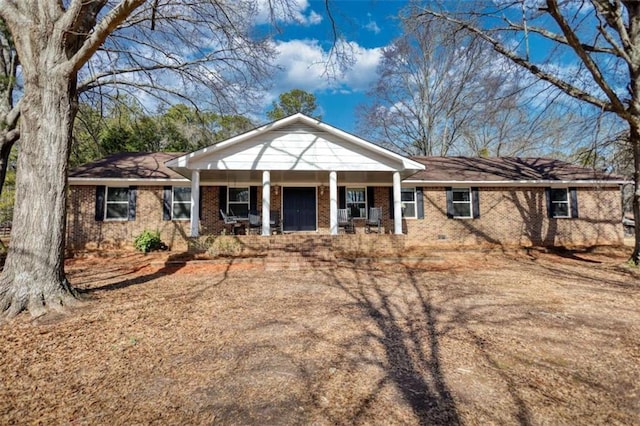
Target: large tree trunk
<point>634,139</point>
<point>33,277</point>
<point>8,118</point>
<point>5,152</point>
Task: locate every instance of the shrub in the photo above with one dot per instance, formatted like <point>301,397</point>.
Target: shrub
<point>148,241</point>
<point>223,246</point>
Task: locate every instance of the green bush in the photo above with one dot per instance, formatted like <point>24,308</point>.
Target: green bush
<point>148,241</point>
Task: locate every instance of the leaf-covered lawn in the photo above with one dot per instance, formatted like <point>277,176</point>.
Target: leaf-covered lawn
<point>462,338</point>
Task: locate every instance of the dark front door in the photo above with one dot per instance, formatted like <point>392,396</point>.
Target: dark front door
<point>299,209</point>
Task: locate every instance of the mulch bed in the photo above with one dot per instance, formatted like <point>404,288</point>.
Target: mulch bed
<point>528,337</point>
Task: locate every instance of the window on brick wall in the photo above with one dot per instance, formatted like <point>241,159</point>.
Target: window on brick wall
<point>181,203</point>
<point>357,202</point>
<point>408,197</point>
<point>559,202</point>
<point>238,202</point>
<point>463,203</point>
<point>117,203</point>
<point>562,202</point>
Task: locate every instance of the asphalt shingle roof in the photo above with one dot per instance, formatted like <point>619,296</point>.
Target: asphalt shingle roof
<point>498,169</point>
<point>129,165</point>
<point>144,165</point>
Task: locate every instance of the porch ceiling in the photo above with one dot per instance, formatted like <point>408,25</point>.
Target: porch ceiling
<point>286,177</point>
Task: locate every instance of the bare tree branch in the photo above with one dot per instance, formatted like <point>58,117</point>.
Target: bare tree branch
<point>614,50</point>
<point>593,68</point>
<point>100,32</point>
<point>566,87</point>
<point>614,16</point>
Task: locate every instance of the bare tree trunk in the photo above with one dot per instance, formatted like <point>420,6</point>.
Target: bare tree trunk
<point>634,139</point>
<point>33,277</point>
<point>5,151</point>
<point>8,116</point>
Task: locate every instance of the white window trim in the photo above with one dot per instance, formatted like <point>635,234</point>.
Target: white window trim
<point>173,201</point>
<point>470,202</point>
<point>248,202</point>
<point>107,202</point>
<point>567,202</point>
<point>414,202</point>
<point>366,201</point>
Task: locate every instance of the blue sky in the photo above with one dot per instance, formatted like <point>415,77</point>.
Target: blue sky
<point>303,45</point>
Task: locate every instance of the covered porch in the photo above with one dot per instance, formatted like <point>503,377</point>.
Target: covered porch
<point>300,169</point>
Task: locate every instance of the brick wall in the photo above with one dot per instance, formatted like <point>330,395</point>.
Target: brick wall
<point>84,232</point>
<point>508,216</point>
<point>518,217</point>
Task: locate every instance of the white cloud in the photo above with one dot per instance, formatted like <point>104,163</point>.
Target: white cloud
<point>314,18</point>
<point>291,12</point>
<point>372,25</point>
<point>304,66</point>
<point>364,71</point>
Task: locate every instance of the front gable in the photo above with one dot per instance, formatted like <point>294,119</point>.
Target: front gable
<point>299,148</point>
<point>296,143</point>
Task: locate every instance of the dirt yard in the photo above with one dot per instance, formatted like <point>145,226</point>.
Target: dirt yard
<point>462,338</point>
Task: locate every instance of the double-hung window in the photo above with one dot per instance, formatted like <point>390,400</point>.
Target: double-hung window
<point>238,201</point>
<point>181,203</point>
<point>117,203</point>
<point>559,202</point>
<point>408,198</point>
<point>357,202</point>
<point>462,205</point>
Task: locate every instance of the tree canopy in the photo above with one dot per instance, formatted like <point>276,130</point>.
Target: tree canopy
<point>127,127</point>
<point>292,102</point>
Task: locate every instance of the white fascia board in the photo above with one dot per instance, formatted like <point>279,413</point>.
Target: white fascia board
<point>184,160</point>
<point>493,183</point>
<point>128,181</point>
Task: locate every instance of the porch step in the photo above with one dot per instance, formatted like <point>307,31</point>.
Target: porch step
<point>311,251</point>
<point>296,256</point>
<point>296,263</point>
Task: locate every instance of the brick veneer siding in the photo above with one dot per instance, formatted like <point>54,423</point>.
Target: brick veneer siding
<point>84,232</point>
<point>518,217</point>
<point>508,216</point>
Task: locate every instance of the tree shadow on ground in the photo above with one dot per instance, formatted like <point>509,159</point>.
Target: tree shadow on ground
<point>168,268</point>
<point>406,323</point>
<point>572,254</point>
<point>172,264</point>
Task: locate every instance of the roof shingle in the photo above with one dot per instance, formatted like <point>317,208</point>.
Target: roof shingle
<point>141,165</point>
<point>129,165</point>
<point>444,169</point>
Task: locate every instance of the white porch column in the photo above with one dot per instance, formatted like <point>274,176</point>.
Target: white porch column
<point>195,203</point>
<point>266,203</point>
<point>397,204</point>
<point>333,203</point>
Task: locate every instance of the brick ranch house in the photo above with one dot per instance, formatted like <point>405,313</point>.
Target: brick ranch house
<point>304,171</point>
